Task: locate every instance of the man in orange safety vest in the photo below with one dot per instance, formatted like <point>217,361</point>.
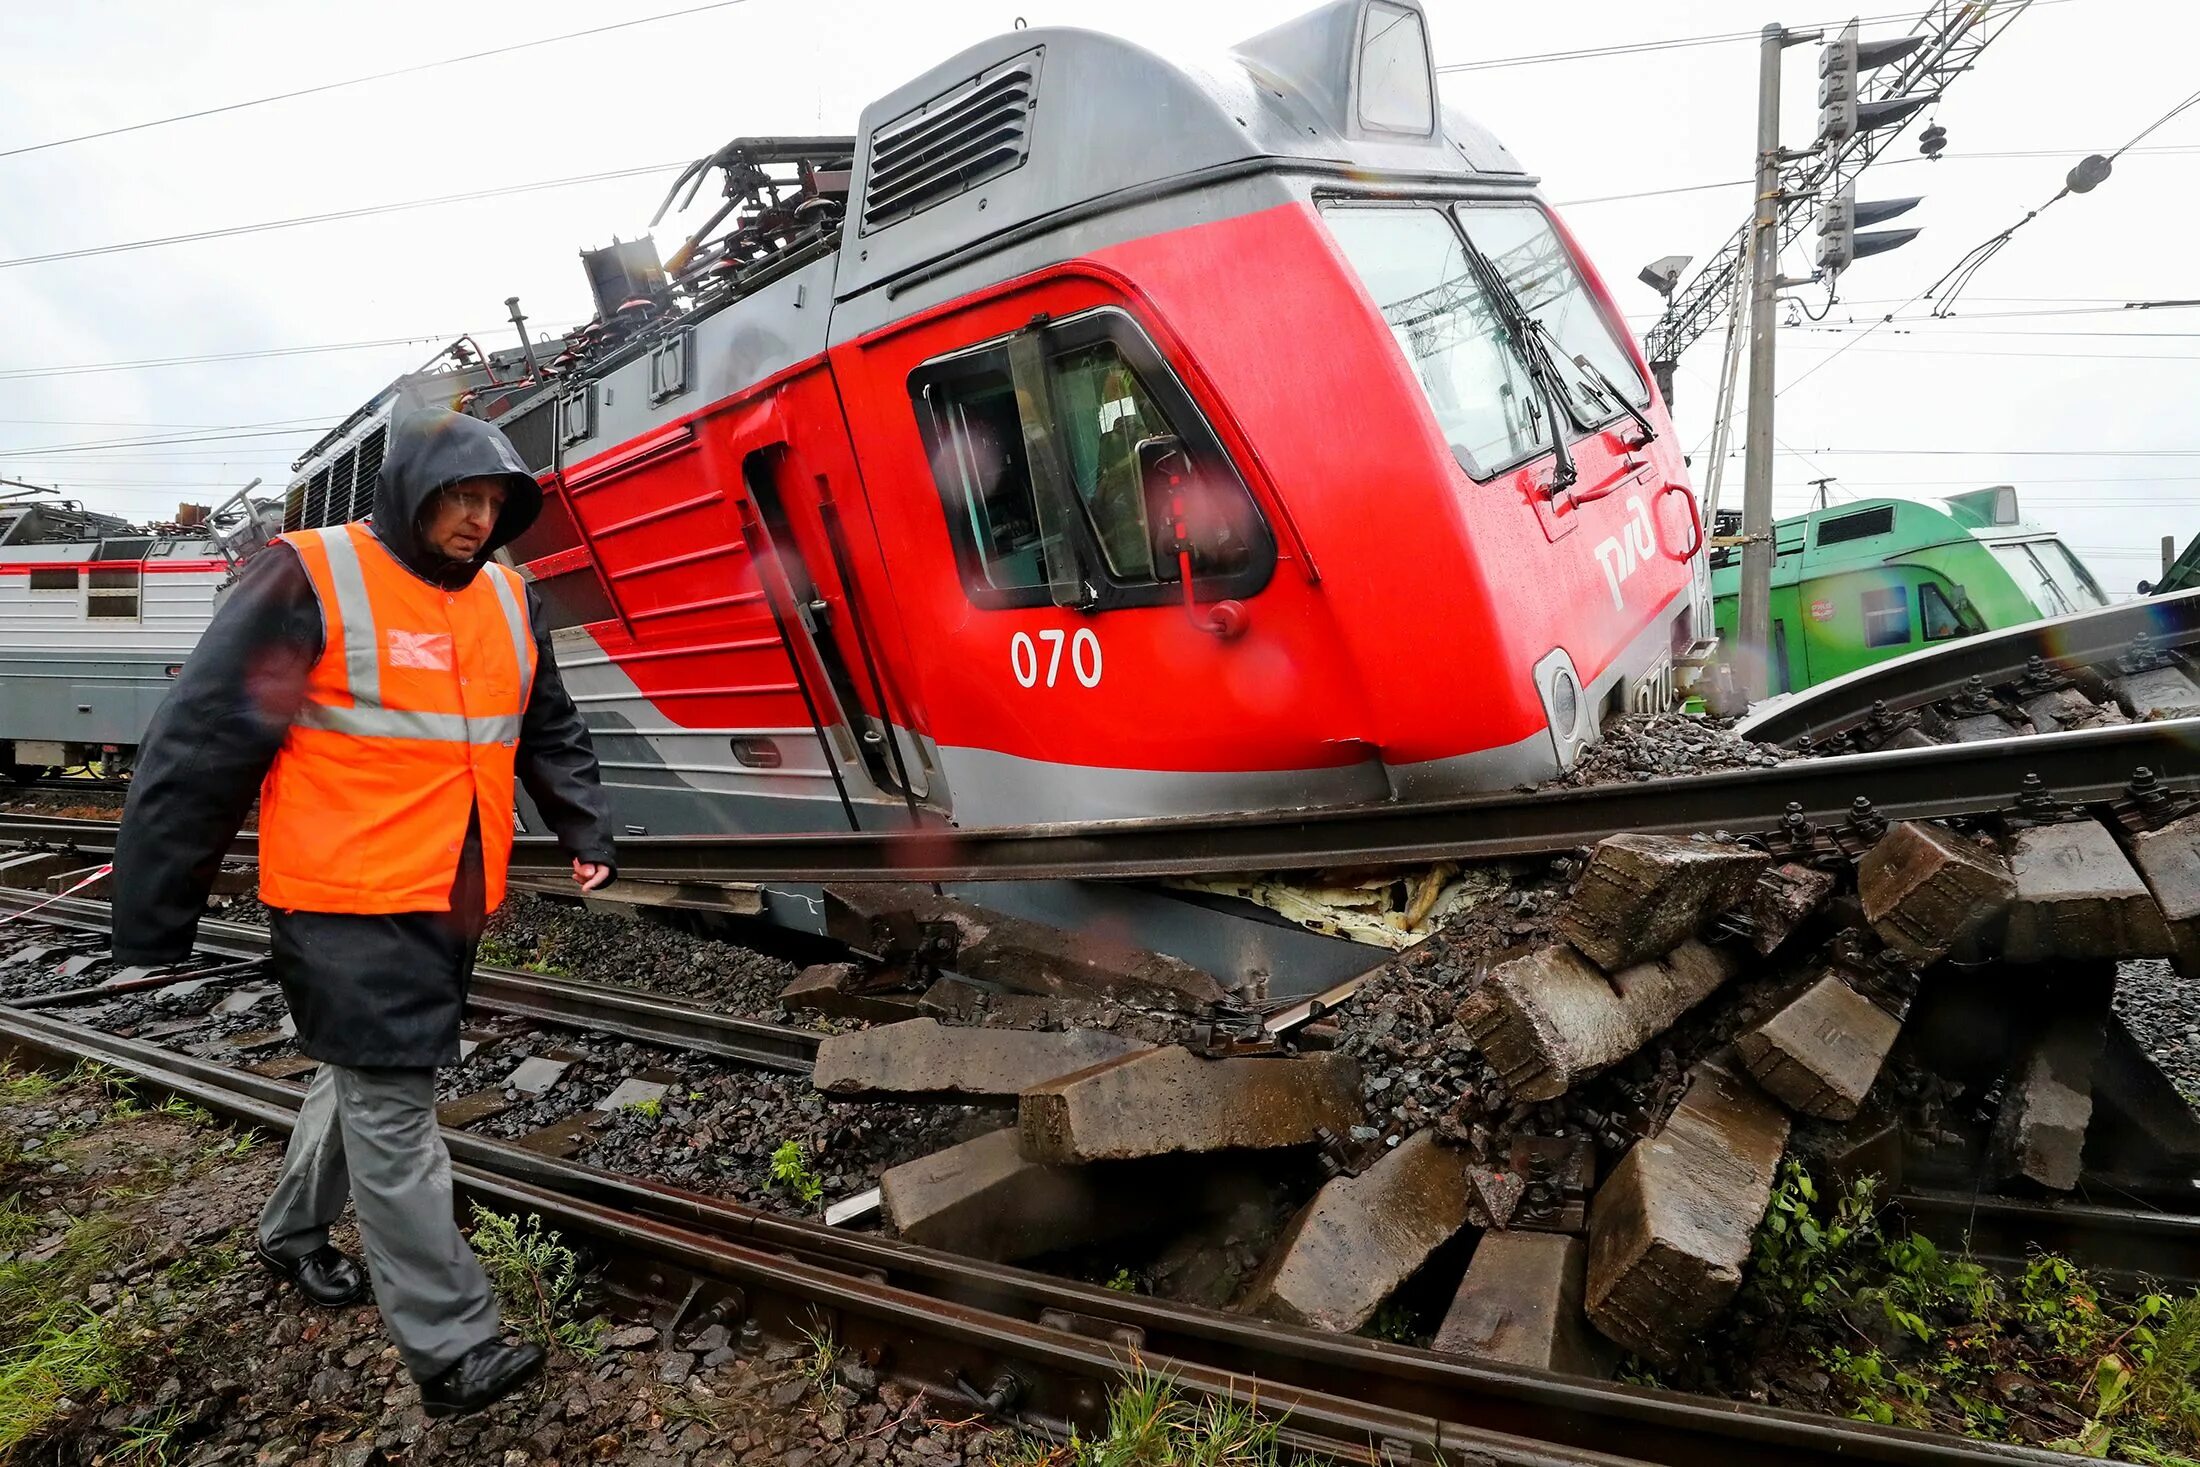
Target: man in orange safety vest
<point>379,687</point>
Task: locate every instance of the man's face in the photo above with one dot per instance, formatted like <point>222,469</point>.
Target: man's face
<point>459,518</point>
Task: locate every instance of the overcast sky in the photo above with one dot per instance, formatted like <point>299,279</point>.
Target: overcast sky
<point>2041,381</point>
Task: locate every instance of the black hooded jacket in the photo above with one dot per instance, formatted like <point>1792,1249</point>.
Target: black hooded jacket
<point>213,738</point>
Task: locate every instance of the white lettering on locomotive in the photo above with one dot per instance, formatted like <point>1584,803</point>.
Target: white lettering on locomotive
<point>1620,554</point>
<point>1025,661</point>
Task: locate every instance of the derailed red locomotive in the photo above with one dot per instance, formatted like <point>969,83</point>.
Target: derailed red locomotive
<point>1097,436</point>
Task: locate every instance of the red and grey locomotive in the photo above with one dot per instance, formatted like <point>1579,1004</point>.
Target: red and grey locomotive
<point>1097,436</point>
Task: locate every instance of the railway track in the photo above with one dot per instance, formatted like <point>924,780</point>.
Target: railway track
<point>2085,648</point>
<point>626,1013</point>
<point>1060,1342</point>
<point>2086,766</point>
<point>1037,1351</point>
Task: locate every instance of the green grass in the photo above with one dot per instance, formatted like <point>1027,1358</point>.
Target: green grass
<point>58,1355</point>
<point>1151,1425</point>
<point>823,1358</point>
<point>539,1280</point>
<point>18,1225</point>
<point>147,1442</point>
<point>54,1351</point>
<point>1913,1336</point>
<point>70,1357</point>
<point>24,1084</point>
<point>496,951</point>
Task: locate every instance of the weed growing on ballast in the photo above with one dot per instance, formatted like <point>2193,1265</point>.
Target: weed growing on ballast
<point>823,1359</point>
<point>1149,1422</point>
<point>1901,1333</point>
<point>18,1084</point>
<point>791,1170</point>
<point>177,1108</point>
<point>54,1350</point>
<point>539,1280</point>
<point>147,1442</point>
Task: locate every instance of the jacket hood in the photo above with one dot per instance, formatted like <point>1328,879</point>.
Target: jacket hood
<point>429,449</point>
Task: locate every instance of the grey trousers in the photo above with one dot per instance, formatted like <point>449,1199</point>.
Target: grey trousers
<point>372,1134</point>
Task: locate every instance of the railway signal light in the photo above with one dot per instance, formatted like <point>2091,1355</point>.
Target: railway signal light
<point>1839,218</point>
<point>1841,115</point>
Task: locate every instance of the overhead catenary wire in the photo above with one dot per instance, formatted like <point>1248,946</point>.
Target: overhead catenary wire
<point>1944,291</point>
<point>234,230</point>
<point>1674,43</point>
<point>257,353</point>
<point>356,81</point>
<point>48,450</point>
<point>1999,155</point>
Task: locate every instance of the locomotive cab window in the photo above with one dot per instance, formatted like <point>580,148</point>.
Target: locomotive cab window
<point>1519,240</point>
<point>1486,401</point>
<point>1050,452</point>
<point>1938,614</point>
<point>1886,616</point>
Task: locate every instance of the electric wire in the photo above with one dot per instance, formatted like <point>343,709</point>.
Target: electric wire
<point>1945,291</point>
<point>355,81</point>
<point>1675,43</point>
<point>234,230</point>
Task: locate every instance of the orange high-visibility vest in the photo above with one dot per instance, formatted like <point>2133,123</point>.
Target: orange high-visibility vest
<point>411,720</point>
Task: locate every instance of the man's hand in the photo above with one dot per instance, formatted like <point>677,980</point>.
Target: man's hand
<point>590,874</point>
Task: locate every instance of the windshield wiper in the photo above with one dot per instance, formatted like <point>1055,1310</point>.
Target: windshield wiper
<point>1523,328</point>
<point>1610,390</point>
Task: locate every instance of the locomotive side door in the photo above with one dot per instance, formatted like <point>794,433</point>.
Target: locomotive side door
<point>804,520</point>
<point>1097,603</point>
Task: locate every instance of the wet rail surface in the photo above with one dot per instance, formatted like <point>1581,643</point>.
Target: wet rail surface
<point>2085,766</point>
<point>556,1002</point>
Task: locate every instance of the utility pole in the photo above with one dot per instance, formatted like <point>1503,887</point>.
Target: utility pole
<point>1753,618</point>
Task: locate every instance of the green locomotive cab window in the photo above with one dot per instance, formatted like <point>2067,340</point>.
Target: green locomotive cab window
<point>2068,572</point>
<point>1886,616</point>
<point>1937,614</point>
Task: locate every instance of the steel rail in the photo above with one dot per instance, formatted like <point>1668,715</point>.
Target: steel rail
<point>561,1002</point>
<point>2129,1248</point>
<point>1466,1409</point>
<point>1041,1375</point>
<point>2085,766</point>
<point>1919,678</point>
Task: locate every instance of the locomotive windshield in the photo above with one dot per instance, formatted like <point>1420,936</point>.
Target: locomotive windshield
<point>1452,335</point>
<point>1520,242</point>
<point>1486,398</point>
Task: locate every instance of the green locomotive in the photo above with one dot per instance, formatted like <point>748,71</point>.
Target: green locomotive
<point>1861,583</point>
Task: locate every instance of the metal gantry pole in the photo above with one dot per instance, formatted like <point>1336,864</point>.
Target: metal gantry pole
<point>1753,620</point>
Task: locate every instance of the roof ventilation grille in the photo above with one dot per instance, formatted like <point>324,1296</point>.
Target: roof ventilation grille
<point>950,145</point>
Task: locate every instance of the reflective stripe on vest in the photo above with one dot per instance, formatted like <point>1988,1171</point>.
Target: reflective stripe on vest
<point>408,734</point>
<point>367,718</point>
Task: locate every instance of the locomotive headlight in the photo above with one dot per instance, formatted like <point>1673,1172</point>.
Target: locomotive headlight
<point>1565,702</point>
<point>1558,688</point>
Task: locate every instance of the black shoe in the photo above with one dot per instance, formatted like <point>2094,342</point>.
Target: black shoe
<point>326,1276</point>
<point>487,1373</point>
